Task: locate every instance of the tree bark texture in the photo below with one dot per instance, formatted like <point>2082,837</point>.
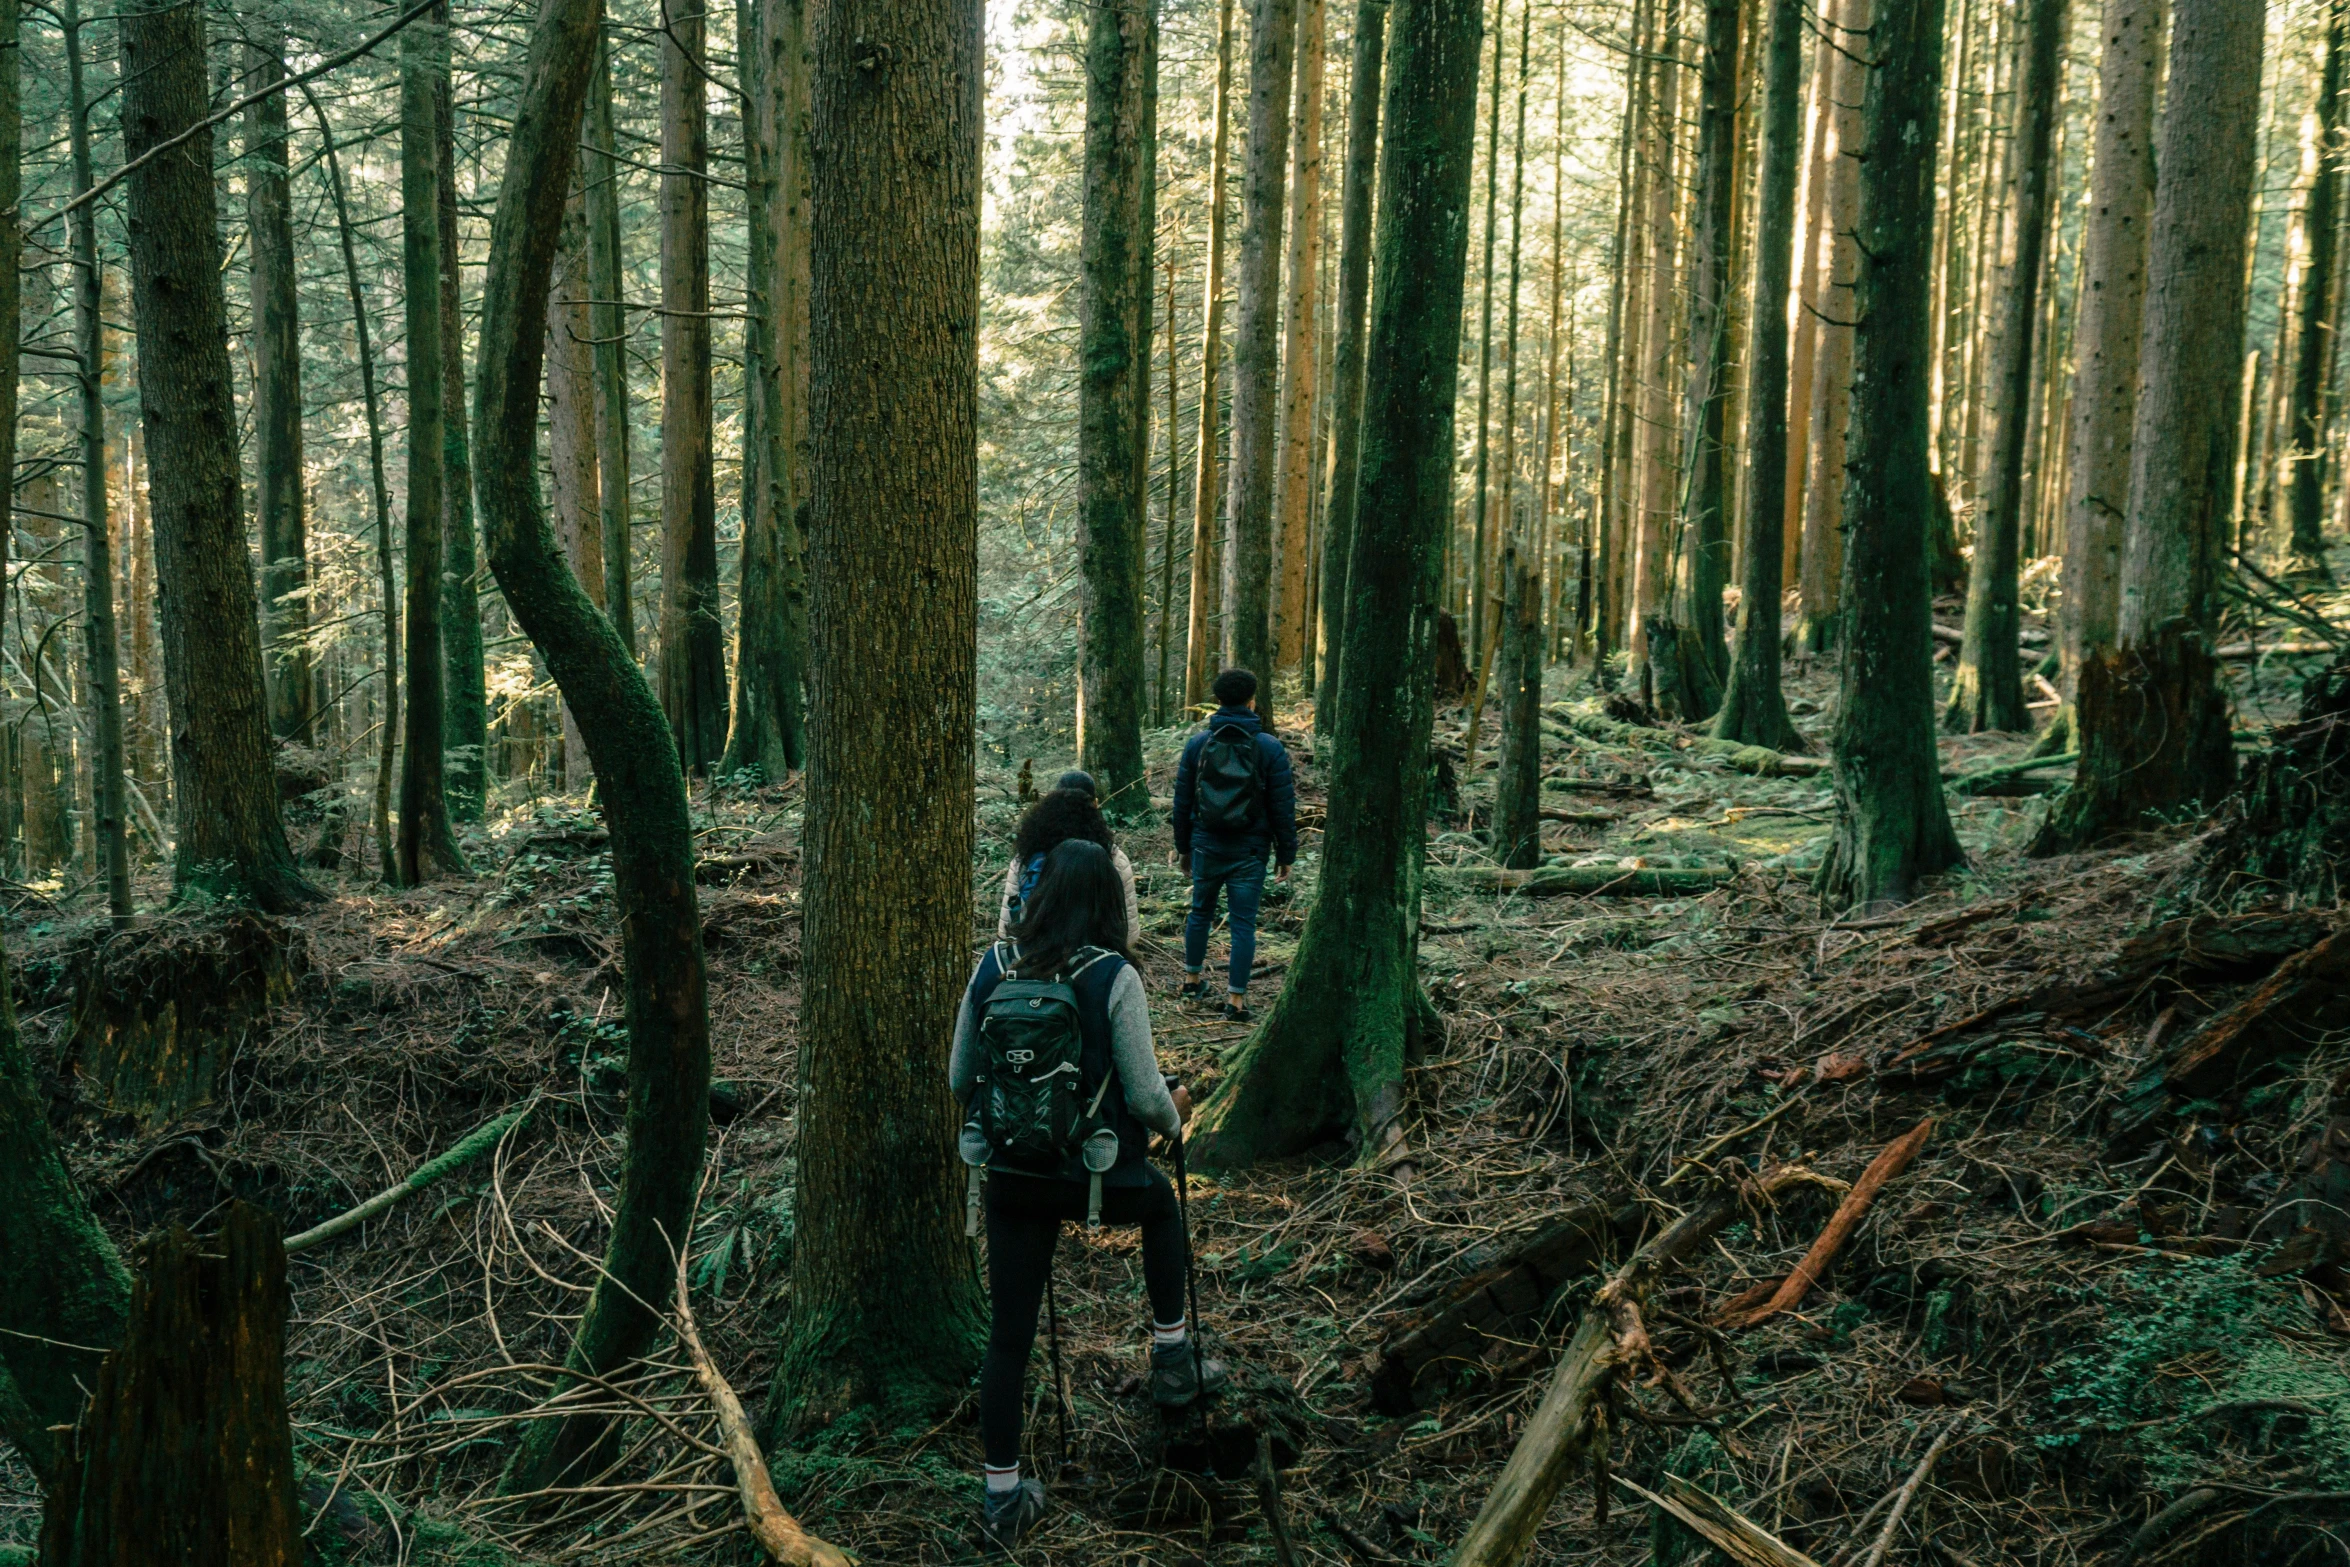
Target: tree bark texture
<point>1481,497</point>
<point>277,406</point>
<point>1113,494</point>
<point>465,737</point>
<point>571,437</point>
<point>1350,350</point>
<point>1821,573</point>
<point>1202,633</point>
<point>2321,297</point>
<point>428,848</point>
<point>693,642</point>
<point>601,177</point>
<point>1655,447</point>
<point>1987,688</point>
<point>664,985</point>
<point>1893,827</point>
<point>2105,339</point>
<point>231,839</point>
<point>1330,1056</point>
<point>1705,539</point>
<point>1517,790</point>
<point>1293,478</point>
<point>2153,724</point>
<point>1256,343</point>
<point>885,1313</point>
<point>1753,709</point>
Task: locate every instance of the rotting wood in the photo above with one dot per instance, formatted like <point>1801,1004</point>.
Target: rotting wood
<point>2308,995</point>
<point>1725,1528</point>
<point>1611,1338</point>
<point>1789,1292</point>
<point>779,1534</point>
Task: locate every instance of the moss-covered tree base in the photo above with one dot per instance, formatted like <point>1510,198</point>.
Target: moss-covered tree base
<point>876,1376</point>
<point>2155,744</point>
<point>158,1011</point>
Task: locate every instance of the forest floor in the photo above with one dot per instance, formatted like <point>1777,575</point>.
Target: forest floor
<point>2077,1294</point>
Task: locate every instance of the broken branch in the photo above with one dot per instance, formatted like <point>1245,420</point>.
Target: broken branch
<point>1889,1163</point>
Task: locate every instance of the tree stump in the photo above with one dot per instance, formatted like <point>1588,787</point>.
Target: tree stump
<point>2286,829</point>
<point>158,1012</point>
<point>186,1455</point>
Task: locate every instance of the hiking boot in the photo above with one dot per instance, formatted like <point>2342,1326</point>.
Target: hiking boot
<point>1195,989</point>
<point>1009,1515</point>
<point>1182,1374</point>
<point>1236,1012</point>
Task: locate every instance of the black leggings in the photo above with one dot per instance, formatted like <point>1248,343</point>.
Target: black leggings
<point>1024,1217</point>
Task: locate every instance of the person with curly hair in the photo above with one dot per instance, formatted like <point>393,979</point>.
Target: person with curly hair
<point>1070,809</point>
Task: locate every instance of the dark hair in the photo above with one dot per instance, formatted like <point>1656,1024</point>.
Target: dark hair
<point>1079,901</point>
<point>1234,686</point>
<point>1077,781</point>
<point>1058,816</point>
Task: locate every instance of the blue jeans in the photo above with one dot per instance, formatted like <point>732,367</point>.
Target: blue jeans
<point>1240,875</point>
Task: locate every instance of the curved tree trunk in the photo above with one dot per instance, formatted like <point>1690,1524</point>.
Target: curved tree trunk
<point>427,846</point>
<point>693,642</point>
<point>885,1312</point>
<point>1346,378</point>
<point>465,734</point>
<point>1330,1056</point>
<point>1987,690</point>
<point>1256,343</point>
<point>664,988</point>
<point>2320,301</point>
<point>2105,342</point>
<point>2153,722</point>
<point>1753,710</point>
<point>1893,827</point>
<point>1112,417</point>
<point>231,839</point>
<point>277,407</point>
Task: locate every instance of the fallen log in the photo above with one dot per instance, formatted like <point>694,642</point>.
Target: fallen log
<point>1759,760</point>
<point>1722,1526</point>
<point>2308,995</point>
<point>1789,1292</point>
<point>1611,1339</point>
<point>1980,781</point>
<point>1589,881</point>
<point>460,1154</point>
<point>779,1534</point>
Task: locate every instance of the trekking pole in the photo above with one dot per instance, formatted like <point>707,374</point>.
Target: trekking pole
<point>1190,1274</point>
<point>1052,1315</point>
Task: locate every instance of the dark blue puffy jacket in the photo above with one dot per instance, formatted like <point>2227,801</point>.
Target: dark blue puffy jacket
<point>1280,796</point>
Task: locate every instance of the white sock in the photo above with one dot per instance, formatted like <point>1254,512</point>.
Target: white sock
<point>1002,1480</point>
<point>1166,1337</point>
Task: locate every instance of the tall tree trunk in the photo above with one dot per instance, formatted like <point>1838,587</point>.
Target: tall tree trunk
<point>664,986</point>
<point>1655,465</point>
<point>1346,380</point>
<point>1167,550</point>
<point>609,324</point>
<point>1987,690</point>
<point>1207,577</point>
<point>109,802</point>
<point>1808,280</point>
<point>2105,341</point>
<point>1705,541</point>
<point>693,642</point>
<point>277,406</point>
<point>1293,486</point>
<point>427,846</point>
<point>1615,431</point>
<point>1112,493</point>
<point>231,840</point>
<point>1331,1054</point>
<point>1517,787</point>
<point>571,439</point>
<point>465,737</point>
<point>1509,526</point>
<point>1481,497</point>
<point>1554,450</point>
<point>1256,344</point>
<point>2153,722</point>
<point>1824,530</point>
<point>2320,298</point>
<point>1893,827</point>
<point>885,1314</point>
<point>771,634</point>
<point>147,732</point>
<point>1753,709</point>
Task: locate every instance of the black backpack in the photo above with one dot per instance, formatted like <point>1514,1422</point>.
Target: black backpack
<point>1228,793</point>
<point>1031,1111</point>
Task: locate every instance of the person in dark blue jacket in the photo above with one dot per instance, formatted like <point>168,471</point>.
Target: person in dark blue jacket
<point>1235,807</point>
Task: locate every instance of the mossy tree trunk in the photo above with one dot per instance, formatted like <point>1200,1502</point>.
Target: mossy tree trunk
<point>1256,342</point>
<point>601,179</point>
<point>665,985</point>
<point>1330,1057</point>
<point>2153,721</point>
<point>1753,709</point>
<point>2321,302</point>
<point>231,838</point>
<point>465,734</point>
<point>1112,416</point>
<point>277,406</point>
<point>885,1312</point>
<point>428,848</point>
<point>1349,356</point>
<point>1893,826</point>
<point>1987,689</point>
<point>693,642</point>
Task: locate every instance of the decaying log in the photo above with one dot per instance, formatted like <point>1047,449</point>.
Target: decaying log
<point>2308,995</point>
<point>160,1011</point>
<point>1611,1339</point>
<point>1722,1526</point>
<point>1789,1292</point>
<point>779,1534</point>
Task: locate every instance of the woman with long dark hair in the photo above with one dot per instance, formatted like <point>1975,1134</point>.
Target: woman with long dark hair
<point>1072,933</point>
<point>1067,810</point>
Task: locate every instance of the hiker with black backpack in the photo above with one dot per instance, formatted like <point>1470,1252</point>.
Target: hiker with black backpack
<point>1235,807</point>
<point>1054,1067</point>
